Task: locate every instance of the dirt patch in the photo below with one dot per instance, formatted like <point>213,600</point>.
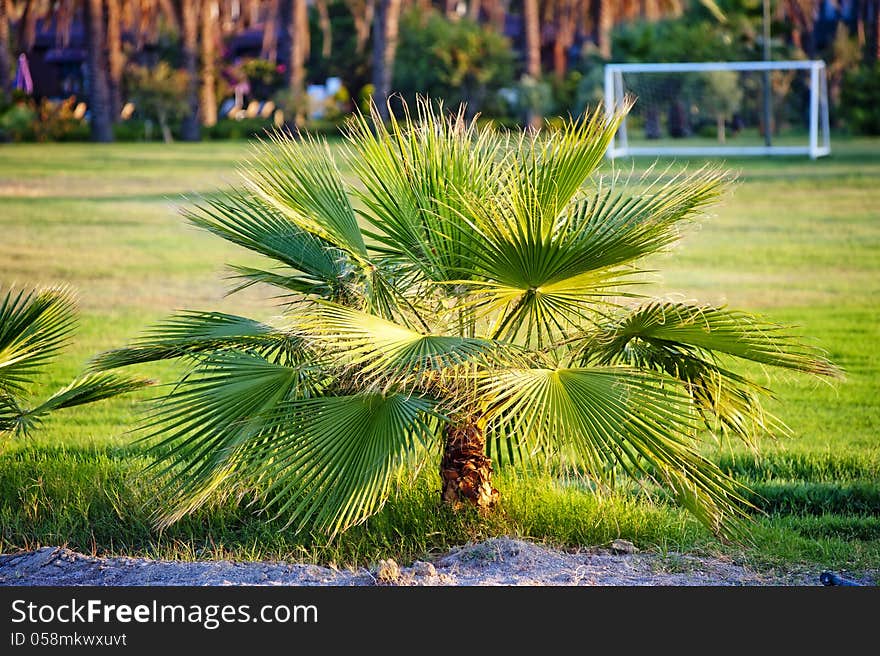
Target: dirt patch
<point>498,561</point>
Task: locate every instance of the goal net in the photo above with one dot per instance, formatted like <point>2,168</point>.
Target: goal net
<point>722,108</point>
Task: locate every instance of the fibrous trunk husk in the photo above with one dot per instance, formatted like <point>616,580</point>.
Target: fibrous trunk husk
<point>465,471</point>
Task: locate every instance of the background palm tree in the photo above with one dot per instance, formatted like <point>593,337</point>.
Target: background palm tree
<point>210,35</point>
<point>101,120</point>
<point>34,327</point>
<point>5,58</point>
<point>385,29</point>
<point>479,303</point>
<point>190,28</point>
<point>533,50</point>
<point>299,52</point>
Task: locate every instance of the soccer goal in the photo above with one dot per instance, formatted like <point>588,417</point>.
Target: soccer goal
<point>720,108</point>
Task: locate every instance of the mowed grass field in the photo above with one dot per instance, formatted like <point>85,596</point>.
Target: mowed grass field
<point>796,240</point>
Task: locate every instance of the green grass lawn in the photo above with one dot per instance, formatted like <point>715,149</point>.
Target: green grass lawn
<point>795,239</point>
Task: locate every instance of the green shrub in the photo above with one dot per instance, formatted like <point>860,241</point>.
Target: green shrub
<point>456,61</point>
<point>860,100</point>
<point>246,128</point>
<point>17,123</point>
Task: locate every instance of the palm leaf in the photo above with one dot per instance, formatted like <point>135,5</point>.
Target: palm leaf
<point>413,180</point>
<point>710,329</point>
<point>334,460</point>
<point>300,179</point>
<point>34,326</point>
<point>81,391</point>
<point>312,265</point>
<point>541,277</point>
<point>190,333</point>
<point>613,417</point>
<point>376,349</point>
<point>196,430</point>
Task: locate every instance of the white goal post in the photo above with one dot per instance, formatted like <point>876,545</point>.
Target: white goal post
<point>811,138</point>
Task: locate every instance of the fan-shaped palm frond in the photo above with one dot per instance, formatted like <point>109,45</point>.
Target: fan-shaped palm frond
<point>300,179</point>
<point>543,275</point>
<point>192,333</point>
<point>383,352</point>
<point>34,327</point>
<point>601,417</point>
<point>309,264</point>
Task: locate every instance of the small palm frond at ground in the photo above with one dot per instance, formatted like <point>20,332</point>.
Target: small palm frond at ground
<point>470,294</point>
<point>34,327</point>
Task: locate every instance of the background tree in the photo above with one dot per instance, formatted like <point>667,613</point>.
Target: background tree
<point>299,52</point>
<point>385,31</point>
<point>99,91</point>
<point>160,93</point>
<point>459,61</point>
<point>5,57</point>
<point>722,97</point>
<point>210,36</point>
<point>533,53</point>
<point>190,130</point>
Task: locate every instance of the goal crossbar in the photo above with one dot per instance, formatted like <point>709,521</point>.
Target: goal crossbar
<point>817,147</point>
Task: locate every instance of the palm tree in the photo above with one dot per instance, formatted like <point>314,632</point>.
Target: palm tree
<point>385,29</point>
<point>533,50</point>
<point>5,60</point>
<point>116,56</point>
<point>299,52</point>
<point>210,35</point>
<point>34,327</point>
<point>99,90</point>
<point>190,20</point>
<point>477,300</point>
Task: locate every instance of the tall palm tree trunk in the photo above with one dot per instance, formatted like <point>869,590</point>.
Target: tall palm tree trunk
<point>116,56</point>
<point>362,13</point>
<point>326,28</point>
<point>565,31</point>
<point>269,48</point>
<point>465,471</point>
<point>299,51</point>
<point>210,14</point>
<point>385,30</point>
<point>498,14</point>
<point>190,130</point>
<point>605,23</point>
<point>533,51</point>
<point>99,91</point>
<point>5,59</point>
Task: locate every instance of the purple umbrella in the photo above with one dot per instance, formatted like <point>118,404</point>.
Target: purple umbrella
<point>23,79</point>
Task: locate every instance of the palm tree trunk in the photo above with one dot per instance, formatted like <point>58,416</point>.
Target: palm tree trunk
<point>190,130</point>
<point>269,49</point>
<point>498,14</point>
<point>5,59</point>
<point>533,52</point>
<point>99,92</point>
<point>299,49</point>
<point>474,10</point>
<point>722,134</point>
<point>326,28</point>
<point>605,23</point>
<point>465,471</point>
<point>210,13</point>
<point>362,12</point>
<point>385,29</point>
<point>565,29</point>
<point>116,56</point>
